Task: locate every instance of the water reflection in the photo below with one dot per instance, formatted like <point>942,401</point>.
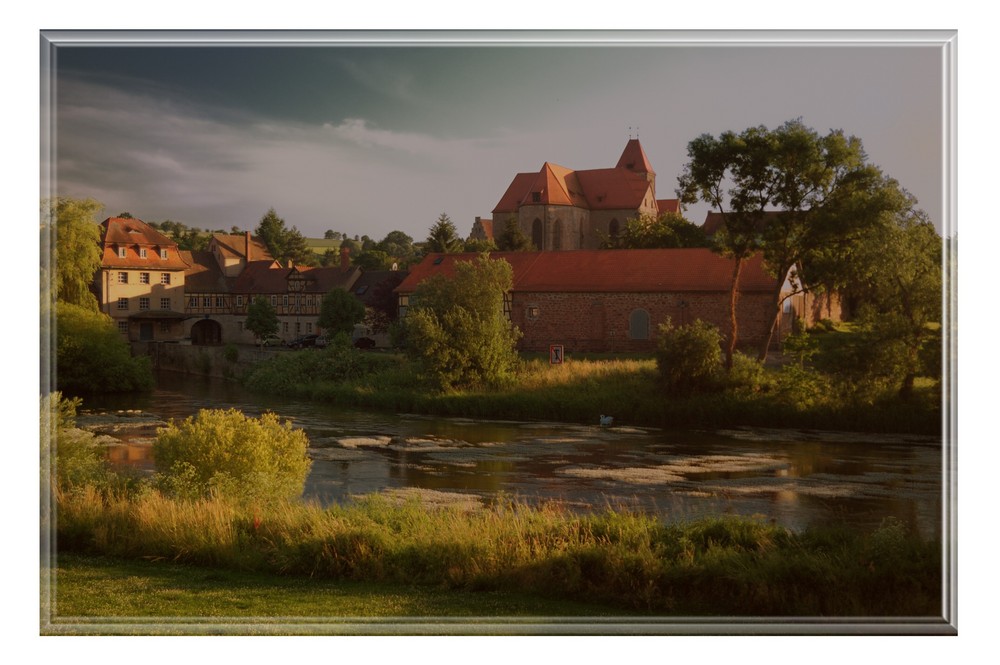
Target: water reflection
<point>795,478</point>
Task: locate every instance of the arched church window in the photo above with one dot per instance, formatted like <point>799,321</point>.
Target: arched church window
<point>536,234</point>
<point>557,235</point>
<point>638,324</point>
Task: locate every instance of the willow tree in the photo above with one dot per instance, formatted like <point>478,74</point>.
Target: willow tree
<point>72,235</point>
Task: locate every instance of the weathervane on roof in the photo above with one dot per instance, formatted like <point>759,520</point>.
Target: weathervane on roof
<point>630,132</point>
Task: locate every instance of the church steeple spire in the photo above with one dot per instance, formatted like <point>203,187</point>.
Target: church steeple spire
<point>634,159</point>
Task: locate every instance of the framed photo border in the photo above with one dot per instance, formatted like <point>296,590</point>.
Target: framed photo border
<point>52,624</point>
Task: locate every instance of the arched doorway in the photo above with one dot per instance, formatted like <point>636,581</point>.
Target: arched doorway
<point>206,333</point>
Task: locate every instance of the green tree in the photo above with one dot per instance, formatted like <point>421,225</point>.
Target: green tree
<point>788,193</point>
<point>330,235</point>
<point>479,245</point>
<point>443,238</point>
<point>340,311</point>
<point>373,259</point>
<point>399,246</point>
<point>92,357</point>
<point>689,357</point>
<point>669,230</point>
<point>512,239</point>
<point>284,244</point>
<point>262,320</point>
<point>896,276</point>
<point>456,326</point>
<point>77,254</point>
<point>383,309</point>
<point>225,453</point>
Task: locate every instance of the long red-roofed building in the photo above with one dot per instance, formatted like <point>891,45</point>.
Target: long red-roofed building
<point>614,300</point>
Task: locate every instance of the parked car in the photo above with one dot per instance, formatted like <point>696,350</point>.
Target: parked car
<point>271,340</point>
<point>322,342</point>
<point>364,343</point>
<point>303,342</point>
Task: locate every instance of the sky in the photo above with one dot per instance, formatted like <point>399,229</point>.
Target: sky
<point>370,139</point>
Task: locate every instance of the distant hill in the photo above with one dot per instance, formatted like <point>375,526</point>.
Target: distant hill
<point>321,245</point>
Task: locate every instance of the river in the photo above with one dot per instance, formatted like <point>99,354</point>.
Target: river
<point>796,478</point>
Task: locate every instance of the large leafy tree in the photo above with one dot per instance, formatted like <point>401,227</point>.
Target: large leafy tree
<point>72,235</point>
<point>340,311</point>
<point>456,326</point>
<point>398,246</point>
<point>789,193</point>
<point>443,237</point>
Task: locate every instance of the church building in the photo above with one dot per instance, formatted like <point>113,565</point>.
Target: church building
<point>563,209</point>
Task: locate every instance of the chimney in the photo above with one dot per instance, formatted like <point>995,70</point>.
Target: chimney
<point>345,258</point>
<point>290,264</point>
<point>247,253</point>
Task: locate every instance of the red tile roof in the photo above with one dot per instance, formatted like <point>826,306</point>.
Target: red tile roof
<point>203,274</point>
<point>634,158</point>
<point>271,277</point>
<point>668,205</point>
<point>595,189</point>
<point>135,235</point>
<point>610,271</point>
<point>235,245</point>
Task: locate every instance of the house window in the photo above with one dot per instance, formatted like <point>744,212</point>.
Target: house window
<point>123,278</point>
<point>284,326</point>
<point>164,278</point>
<point>143,303</point>
<point>142,252</point>
<point>123,327</point>
<point>164,303</point>
<point>532,312</point>
<point>219,302</point>
<point>404,304</point>
<point>274,302</point>
<point>123,303</point>
<point>193,301</point>
<point>163,254</point>
<point>298,328</point>
<point>239,301</point>
<point>309,327</point>
<point>144,278</point>
<point>165,326</point>
<point>284,301</point>
<point>206,301</point>
<point>638,324</point>
<point>121,252</point>
<point>786,306</point>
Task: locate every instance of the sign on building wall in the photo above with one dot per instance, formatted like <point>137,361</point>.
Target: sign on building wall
<point>555,354</point>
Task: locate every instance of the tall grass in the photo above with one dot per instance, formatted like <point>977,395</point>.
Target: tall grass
<point>720,566</point>
<point>582,389</point>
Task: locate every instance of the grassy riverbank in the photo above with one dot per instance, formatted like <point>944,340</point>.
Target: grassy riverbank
<point>634,562</point>
<point>582,389</point>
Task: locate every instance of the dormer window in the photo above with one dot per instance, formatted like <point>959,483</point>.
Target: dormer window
<point>142,252</point>
<point>163,254</point>
<point>121,252</point>
<point>536,197</point>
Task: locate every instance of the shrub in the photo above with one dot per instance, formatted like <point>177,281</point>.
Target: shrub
<point>225,453</point>
<point>746,374</point>
<point>231,353</point>
<point>92,357</point>
<point>79,460</point>
<point>689,357</point>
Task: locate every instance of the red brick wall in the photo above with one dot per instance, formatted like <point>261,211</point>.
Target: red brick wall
<point>599,322</point>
